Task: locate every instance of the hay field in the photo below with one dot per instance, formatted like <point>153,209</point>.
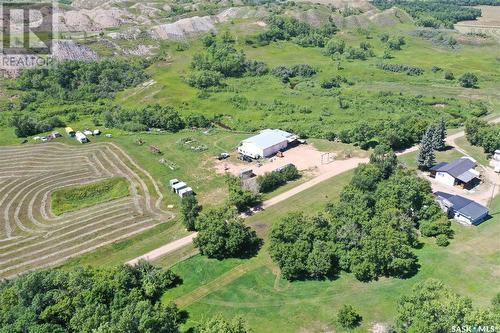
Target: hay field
<point>32,237</point>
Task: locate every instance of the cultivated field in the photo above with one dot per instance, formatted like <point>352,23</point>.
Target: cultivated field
<point>31,236</point>
<point>488,23</point>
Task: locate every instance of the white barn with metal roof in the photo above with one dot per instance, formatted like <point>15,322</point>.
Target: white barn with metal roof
<point>267,143</point>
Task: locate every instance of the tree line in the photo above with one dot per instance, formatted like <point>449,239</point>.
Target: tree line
<point>480,133</point>
<point>438,13</point>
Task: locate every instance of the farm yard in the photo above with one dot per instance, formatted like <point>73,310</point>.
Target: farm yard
<point>159,187</point>
<point>32,236</point>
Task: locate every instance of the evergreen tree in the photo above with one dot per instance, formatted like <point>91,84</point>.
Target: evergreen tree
<point>439,136</point>
<point>426,158</point>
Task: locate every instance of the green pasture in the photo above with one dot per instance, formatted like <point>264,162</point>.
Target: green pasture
<point>236,103</point>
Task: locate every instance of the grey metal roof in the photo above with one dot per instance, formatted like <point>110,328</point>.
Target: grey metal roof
<point>464,206</point>
<point>457,167</point>
<point>268,138</point>
<point>467,176</point>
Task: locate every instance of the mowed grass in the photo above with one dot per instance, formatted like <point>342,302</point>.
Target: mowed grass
<point>74,198</point>
<point>253,289</point>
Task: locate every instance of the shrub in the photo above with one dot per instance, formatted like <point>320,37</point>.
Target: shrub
<point>272,180</point>
<point>347,317</point>
<point>442,240</point>
<point>204,79</point>
<point>286,72</point>
<point>468,80</point>
<point>408,69</point>
<point>256,68</point>
<point>449,76</point>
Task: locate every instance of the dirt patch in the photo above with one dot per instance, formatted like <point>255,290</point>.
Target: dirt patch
<point>304,157</point>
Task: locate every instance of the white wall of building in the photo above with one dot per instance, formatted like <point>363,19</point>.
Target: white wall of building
<point>274,149</point>
<point>445,178</point>
<point>251,150</point>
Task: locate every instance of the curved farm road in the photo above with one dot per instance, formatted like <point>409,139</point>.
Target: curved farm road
<point>341,166</point>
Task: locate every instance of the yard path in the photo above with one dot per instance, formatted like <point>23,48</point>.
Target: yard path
<point>341,166</point>
<point>165,249</point>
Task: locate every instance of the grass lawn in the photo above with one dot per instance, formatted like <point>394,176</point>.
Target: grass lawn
<point>73,198</point>
<point>253,288</point>
<point>475,152</point>
<point>410,159</point>
<point>125,250</point>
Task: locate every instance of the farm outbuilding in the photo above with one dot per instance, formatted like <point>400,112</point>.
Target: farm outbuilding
<point>70,132</point>
<point>185,192</point>
<point>178,186</point>
<point>81,137</point>
<point>267,143</point>
<point>462,209</point>
<point>459,172</point>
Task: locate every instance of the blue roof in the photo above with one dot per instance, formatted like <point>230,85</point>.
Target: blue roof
<point>455,168</point>
<point>464,206</point>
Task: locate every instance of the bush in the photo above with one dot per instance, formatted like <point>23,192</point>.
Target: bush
<point>449,76</point>
<point>256,68</point>
<point>204,79</point>
<point>442,240</point>
<point>334,46</point>
<point>408,69</point>
<point>286,72</point>
<point>347,317</point>
<point>468,80</point>
<point>272,180</point>
<point>334,82</point>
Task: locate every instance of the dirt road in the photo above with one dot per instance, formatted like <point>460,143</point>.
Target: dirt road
<point>165,249</point>
<point>340,166</point>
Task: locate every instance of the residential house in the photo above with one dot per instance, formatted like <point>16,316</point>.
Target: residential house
<point>462,209</point>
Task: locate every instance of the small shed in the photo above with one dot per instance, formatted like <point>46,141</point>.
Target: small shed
<point>81,137</point>
<point>70,132</point>
<point>185,192</point>
<point>246,173</point>
<point>172,182</point>
<point>88,132</point>
<point>178,186</point>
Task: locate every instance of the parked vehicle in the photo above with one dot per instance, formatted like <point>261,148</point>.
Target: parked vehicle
<point>245,158</point>
<point>223,156</point>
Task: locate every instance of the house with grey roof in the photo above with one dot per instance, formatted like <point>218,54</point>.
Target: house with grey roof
<point>267,143</point>
<point>460,172</point>
<point>462,209</point>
